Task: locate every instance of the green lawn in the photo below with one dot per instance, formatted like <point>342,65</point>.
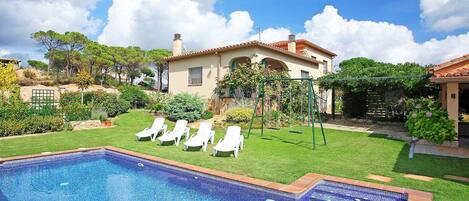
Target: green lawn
<point>278,156</point>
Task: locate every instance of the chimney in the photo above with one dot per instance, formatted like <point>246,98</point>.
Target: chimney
<point>177,45</point>
<point>292,43</point>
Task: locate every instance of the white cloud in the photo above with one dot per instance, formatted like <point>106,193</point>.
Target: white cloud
<point>271,35</point>
<point>378,40</point>
<point>151,24</point>
<point>445,15</point>
<point>20,18</point>
<point>4,52</point>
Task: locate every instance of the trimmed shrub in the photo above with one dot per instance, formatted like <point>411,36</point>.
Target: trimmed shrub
<point>137,97</point>
<point>207,115</point>
<point>30,125</point>
<point>113,105</point>
<point>158,102</point>
<point>15,111</point>
<point>70,98</point>
<point>77,112</point>
<point>185,106</point>
<point>426,120</point>
<point>238,115</point>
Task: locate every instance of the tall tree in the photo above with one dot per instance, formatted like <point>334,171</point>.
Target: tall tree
<point>97,58</point>
<point>38,65</point>
<point>118,61</point>
<point>134,59</point>
<point>156,57</point>
<point>50,40</point>
<point>73,44</point>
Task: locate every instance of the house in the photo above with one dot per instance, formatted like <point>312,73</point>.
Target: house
<point>453,78</point>
<point>15,62</point>
<point>198,72</point>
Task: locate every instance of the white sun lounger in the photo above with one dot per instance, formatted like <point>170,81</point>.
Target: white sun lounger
<point>157,126</point>
<point>233,141</point>
<point>203,136</point>
<point>176,134</point>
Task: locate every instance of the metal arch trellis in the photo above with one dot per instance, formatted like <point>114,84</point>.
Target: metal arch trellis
<point>313,108</point>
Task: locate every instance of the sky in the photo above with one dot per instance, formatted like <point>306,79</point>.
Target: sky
<point>422,31</point>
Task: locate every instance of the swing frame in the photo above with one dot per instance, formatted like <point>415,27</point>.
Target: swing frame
<point>313,108</point>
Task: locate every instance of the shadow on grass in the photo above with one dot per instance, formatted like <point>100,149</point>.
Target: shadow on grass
<point>384,136</point>
<point>431,166</point>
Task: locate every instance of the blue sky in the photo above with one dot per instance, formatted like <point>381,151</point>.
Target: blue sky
<point>271,13</point>
<point>423,31</point>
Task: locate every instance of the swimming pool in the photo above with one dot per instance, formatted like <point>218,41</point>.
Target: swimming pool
<point>108,175</point>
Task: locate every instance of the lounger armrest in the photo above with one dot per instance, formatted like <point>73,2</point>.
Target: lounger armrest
<point>212,136</point>
<point>241,142</point>
<point>165,127</point>
<point>187,131</point>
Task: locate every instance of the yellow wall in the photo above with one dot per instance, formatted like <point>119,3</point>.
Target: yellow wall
<point>179,74</point>
<point>452,104</point>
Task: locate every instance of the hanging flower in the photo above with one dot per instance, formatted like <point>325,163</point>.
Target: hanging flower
<point>418,106</point>
<point>414,115</point>
<point>429,114</point>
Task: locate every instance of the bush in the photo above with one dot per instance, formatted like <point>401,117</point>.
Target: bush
<point>207,115</point>
<point>137,97</point>
<point>70,98</point>
<point>99,114</point>
<point>185,106</point>
<point>426,120</point>
<point>77,112</point>
<point>30,125</point>
<point>113,105</point>
<point>15,111</point>
<point>28,73</point>
<point>158,102</point>
<point>238,115</point>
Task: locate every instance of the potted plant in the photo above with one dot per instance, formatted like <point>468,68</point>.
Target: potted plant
<point>105,122</point>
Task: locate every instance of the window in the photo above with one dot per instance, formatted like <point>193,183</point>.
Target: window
<point>324,68</point>
<point>313,57</point>
<point>304,74</point>
<point>195,76</point>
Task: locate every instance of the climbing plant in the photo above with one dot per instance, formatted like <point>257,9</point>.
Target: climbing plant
<point>7,78</point>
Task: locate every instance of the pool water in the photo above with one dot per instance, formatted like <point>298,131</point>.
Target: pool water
<point>113,176</point>
<point>328,190</point>
<point>107,175</point>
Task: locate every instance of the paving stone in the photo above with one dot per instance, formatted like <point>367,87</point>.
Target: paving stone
<point>379,178</point>
<point>457,178</point>
<point>418,177</point>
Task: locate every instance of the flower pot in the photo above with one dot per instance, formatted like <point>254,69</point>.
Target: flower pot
<point>106,123</point>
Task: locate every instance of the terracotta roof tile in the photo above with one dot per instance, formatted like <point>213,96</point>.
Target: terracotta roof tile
<point>458,67</point>
<point>254,43</point>
<point>307,43</point>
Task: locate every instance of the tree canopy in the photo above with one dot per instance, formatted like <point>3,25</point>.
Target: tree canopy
<point>359,74</point>
<point>71,52</point>
<point>37,64</point>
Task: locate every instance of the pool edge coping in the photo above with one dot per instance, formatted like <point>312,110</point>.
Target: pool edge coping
<point>296,188</point>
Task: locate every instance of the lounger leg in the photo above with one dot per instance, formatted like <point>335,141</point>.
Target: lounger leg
<point>214,153</point>
<point>177,140</point>
<point>236,153</point>
<point>204,146</point>
<point>212,137</point>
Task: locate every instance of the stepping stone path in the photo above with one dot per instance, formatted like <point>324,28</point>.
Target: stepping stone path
<point>379,178</point>
<point>418,177</point>
<point>457,178</point>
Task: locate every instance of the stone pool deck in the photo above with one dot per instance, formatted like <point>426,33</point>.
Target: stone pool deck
<point>296,189</point>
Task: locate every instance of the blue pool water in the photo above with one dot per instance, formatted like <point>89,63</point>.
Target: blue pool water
<point>107,175</point>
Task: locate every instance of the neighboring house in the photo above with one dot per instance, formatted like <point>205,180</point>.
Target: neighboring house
<point>15,62</point>
<point>453,77</point>
<point>198,72</point>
